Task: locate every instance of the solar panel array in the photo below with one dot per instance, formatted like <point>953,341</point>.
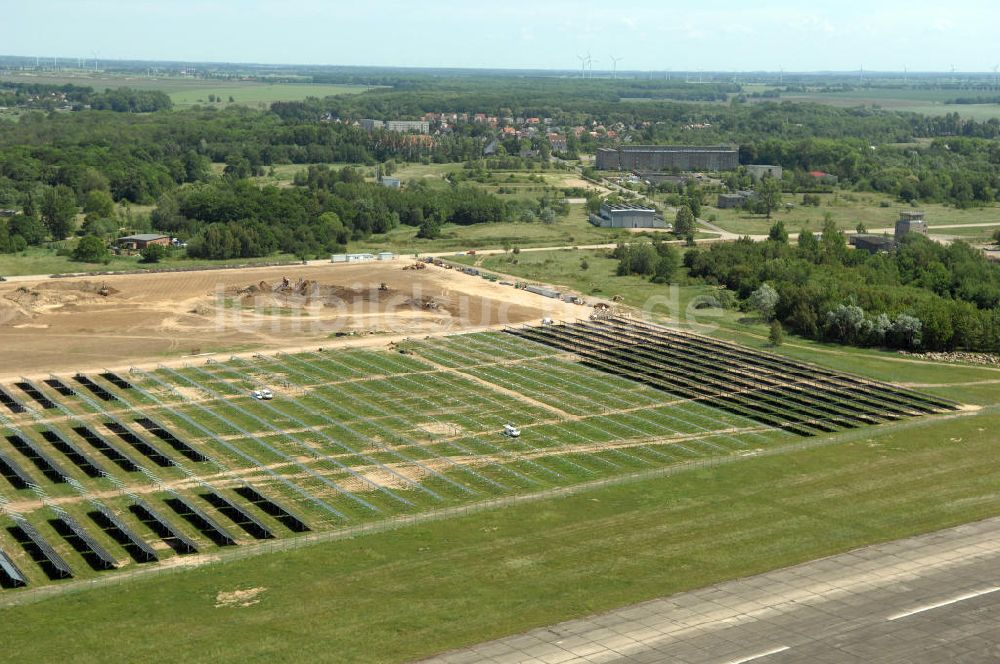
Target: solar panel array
<point>138,528</point>
<point>118,471</point>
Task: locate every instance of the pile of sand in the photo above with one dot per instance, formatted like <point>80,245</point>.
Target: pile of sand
<point>43,298</point>
<point>238,598</point>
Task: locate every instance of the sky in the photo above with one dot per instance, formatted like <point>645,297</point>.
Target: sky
<point>647,35</point>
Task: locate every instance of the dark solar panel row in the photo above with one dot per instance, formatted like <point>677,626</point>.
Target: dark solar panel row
<point>170,439</point>
<point>10,575</point>
<point>268,506</point>
<point>42,461</point>
<point>121,533</point>
<point>118,457</point>
<point>238,515</point>
<point>73,453</point>
<point>156,522</point>
<point>14,473</point>
<point>78,537</point>
<point>98,391</point>
<point>60,387</point>
<point>36,394</point>
<point>116,380</point>
<point>203,522</point>
<point>42,552</point>
<point>141,446</point>
<point>12,404</point>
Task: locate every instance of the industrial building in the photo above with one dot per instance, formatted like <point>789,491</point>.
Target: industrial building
<point>909,222</point>
<point>736,199</point>
<point>873,244</point>
<point>758,171</point>
<point>142,240</point>
<point>668,158</point>
<point>401,126</point>
<point>351,258</point>
<point>626,215</point>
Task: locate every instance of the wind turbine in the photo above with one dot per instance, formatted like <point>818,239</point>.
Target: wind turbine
<point>905,75</point>
<point>614,66</point>
<point>590,64</point>
<point>995,81</point>
<point>583,66</point>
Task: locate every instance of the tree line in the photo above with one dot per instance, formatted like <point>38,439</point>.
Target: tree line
<point>922,295</point>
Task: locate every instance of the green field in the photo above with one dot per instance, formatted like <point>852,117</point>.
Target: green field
<point>912,100</point>
<point>187,92</point>
<point>847,210</point>
<point>44,261</point>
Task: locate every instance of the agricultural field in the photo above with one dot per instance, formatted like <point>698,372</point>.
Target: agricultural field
<point>114,471</point>
<point>912,100</point>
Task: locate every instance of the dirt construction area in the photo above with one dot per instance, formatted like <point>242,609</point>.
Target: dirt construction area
<point>96,322</point>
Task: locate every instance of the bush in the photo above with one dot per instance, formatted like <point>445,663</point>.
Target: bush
<point>777,334</point>
<point>153,253</point>
<point>91,249</point>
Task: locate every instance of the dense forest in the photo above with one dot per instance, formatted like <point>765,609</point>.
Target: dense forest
<point>231,218</point>
<point>46,97</point>
<point>923,295</point>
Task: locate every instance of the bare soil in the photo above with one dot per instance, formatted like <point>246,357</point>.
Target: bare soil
<point>86,323</point>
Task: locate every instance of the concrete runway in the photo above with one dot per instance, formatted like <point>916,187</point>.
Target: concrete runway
<point>933,598</point>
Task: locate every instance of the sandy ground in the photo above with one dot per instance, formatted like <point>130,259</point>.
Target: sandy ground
<point>67,324</point>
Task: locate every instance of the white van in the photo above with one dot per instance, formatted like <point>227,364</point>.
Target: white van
<point>511,430</point>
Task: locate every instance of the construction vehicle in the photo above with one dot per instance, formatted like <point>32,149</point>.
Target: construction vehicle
<point>383,287</point>
<point>511,431</point>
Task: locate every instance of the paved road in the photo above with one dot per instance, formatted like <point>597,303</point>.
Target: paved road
<point>934,598</point>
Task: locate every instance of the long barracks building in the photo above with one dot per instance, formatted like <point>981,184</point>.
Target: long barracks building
<point>668,158</point>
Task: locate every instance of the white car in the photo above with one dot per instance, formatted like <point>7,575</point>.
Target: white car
<point>511,430</point>
<point>262,395</point>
